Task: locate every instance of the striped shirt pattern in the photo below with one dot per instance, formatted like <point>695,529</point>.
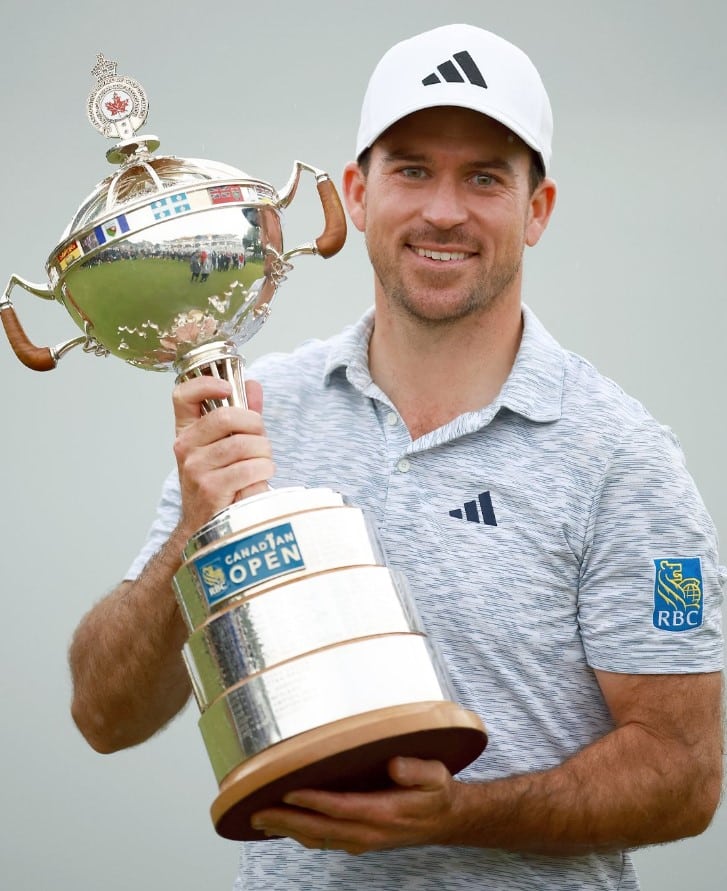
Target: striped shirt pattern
<point>528,532</point>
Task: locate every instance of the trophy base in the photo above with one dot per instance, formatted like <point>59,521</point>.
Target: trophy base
<point>346,755</point>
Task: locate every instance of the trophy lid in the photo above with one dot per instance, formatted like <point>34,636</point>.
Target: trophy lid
<point>143,177</point>
<point>118,107</point>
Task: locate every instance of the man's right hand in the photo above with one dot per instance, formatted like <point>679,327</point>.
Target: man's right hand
<point>223,455</point>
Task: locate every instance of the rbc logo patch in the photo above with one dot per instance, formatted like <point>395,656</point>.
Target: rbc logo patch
<point>678,595</point>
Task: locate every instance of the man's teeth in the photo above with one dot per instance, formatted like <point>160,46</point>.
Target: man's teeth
<point>440,255</point>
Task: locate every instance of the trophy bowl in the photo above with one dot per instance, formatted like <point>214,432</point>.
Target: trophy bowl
<point>305,654</point>
<point>151,272</point>
<point>169,254</point>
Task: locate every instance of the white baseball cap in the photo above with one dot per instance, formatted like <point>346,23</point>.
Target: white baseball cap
<point>464,66</point>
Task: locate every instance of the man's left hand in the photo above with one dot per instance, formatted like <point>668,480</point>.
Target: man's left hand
<point>420,809</point>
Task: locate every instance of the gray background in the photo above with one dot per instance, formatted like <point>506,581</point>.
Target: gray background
<point>631,273</point>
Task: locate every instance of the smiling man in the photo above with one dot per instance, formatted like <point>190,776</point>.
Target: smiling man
<point>445,200</point>
<point>559,553</point>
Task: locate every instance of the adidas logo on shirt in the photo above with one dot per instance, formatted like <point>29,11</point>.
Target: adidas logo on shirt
<point>479,511</point>
<point>465,67</point>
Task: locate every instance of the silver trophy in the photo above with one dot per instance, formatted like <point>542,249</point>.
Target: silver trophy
<point>306,656</point>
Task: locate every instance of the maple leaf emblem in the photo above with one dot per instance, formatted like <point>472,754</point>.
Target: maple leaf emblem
<point>117,105</point>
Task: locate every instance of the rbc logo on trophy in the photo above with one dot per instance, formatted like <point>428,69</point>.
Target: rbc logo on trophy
<point>213,578</point>
<point>678,602</point>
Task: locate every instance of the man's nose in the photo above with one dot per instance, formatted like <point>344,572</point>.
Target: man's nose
<point>444,205</point>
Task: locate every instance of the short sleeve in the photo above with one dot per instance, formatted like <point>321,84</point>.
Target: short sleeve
<point>166,519</point>
<point>651,585</point>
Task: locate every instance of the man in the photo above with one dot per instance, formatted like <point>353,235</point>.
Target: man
<point>563,612</point>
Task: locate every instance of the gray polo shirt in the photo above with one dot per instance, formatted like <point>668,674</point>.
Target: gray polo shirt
<point>554,532</point>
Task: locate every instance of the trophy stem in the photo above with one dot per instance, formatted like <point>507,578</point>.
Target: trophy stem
<point>219,359</point>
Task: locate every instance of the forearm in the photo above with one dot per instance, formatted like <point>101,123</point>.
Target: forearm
<point>624,791</point>
<point>128,675</point>
<point>129,678</point>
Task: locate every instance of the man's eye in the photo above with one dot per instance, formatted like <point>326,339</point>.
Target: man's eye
<point>483,179</point>
<point>413,172</point>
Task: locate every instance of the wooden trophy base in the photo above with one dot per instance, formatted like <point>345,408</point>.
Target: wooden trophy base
<point>346,755</point>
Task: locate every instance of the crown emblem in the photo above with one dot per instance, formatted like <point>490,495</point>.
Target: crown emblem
<point>104,68</point>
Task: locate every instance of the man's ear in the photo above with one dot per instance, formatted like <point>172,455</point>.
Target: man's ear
<point>354,194</point>
<point>542,202</point>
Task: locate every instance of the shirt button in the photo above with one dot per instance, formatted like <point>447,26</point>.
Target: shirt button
<point>392,418</point>
<point>403,465</point>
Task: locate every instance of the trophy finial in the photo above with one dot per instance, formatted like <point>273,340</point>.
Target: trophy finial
<point>104,68</point>
<point>118,107</point>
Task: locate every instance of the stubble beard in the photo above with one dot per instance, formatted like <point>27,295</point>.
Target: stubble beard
<point>486,291</point>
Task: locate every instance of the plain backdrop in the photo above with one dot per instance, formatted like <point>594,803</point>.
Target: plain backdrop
<point>631,273</point>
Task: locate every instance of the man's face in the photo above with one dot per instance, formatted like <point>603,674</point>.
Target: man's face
<point>446,208</point>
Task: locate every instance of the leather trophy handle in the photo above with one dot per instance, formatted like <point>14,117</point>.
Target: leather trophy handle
<point>333,236</point>
<point>33,357</point>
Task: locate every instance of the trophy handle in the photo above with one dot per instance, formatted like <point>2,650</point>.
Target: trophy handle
<point>333,237</point>
<point>33,357</point>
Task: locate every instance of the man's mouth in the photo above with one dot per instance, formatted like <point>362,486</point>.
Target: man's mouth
<point>443,256</point>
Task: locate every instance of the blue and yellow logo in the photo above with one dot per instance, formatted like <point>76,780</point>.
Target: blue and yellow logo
<point>678,594</point>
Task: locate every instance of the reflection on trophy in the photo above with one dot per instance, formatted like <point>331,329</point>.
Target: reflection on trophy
<point>306,656</point>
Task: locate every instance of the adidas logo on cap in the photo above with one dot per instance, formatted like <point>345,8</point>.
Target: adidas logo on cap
<point>456,75</point>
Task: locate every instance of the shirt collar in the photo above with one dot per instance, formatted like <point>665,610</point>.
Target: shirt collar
<point>350,353</point>
<point>534,387</point>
